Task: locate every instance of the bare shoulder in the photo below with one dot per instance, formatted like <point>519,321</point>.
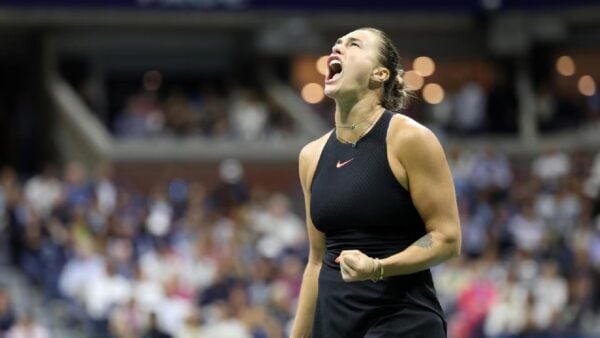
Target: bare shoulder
<point>410,138</point>
<point>312,150</point>
<point>309,156</point>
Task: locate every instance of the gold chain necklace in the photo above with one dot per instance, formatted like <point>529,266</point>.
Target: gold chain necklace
<point>352,127</point>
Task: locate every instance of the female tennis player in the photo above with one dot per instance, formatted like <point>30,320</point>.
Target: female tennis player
<point>380,205</point>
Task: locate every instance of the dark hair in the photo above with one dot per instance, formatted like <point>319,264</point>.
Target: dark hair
<point>395,95</point>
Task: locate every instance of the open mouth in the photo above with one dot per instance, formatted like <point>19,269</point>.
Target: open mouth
<point>334,67</point>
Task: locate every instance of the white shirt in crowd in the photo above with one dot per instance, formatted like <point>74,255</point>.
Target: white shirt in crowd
<point>279,227</point>
<point>551,165</point>
<point>469,110</point>
<point>42,193</point>
<point>249,116</point>
<point>509,315</point>
<point>78,272</point>
<point>527,232</point>
<point>105,292</point>
<point>106,194</point>
<point>230,328</point>
<point>34,331</point>
<point>491,169</point>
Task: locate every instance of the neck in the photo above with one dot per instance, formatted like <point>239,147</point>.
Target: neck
<point>355,118</point>
<point>351,112</point>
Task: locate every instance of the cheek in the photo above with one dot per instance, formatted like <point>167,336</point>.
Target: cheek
<point>361,70</point>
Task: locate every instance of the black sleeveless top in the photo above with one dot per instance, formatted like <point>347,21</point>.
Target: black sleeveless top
<point>357,201</point>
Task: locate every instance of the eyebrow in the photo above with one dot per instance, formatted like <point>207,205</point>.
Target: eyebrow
<point>350,39</point>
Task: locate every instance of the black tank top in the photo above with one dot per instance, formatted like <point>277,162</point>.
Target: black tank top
<point>357,201</point>
<point>359,204</point>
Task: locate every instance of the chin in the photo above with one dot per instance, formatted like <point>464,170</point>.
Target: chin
<point>330,92</point>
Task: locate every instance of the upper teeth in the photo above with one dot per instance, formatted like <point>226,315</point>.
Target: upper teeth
<point>333,62</point>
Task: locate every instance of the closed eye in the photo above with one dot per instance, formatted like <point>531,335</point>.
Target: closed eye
<point>354,44</point>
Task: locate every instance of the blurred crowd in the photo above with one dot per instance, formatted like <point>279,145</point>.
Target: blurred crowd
<point>186,259</point>
<point>531,247</point>
<point>183,260</point>
<point>239,113</point>
<point>474,109</point>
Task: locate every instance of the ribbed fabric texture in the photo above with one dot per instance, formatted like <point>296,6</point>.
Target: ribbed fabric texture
<point>360,204</point>
<point>357,203</point>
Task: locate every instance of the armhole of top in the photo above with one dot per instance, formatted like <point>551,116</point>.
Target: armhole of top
<point>312,179</point>
<point>387,133</point>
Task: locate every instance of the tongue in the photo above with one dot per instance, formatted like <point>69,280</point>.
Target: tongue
<point>336,76</point>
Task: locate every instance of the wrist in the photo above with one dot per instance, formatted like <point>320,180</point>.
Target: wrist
<point>373,269</point>
<point>378,270</point>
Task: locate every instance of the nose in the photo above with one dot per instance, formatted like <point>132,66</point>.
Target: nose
<point>337,48</point>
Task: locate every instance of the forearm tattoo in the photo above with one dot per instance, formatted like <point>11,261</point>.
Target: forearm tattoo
<point>425,242</point>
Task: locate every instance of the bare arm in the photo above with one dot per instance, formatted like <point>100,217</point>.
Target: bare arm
<point>303,321</point>
<point>432,192</point>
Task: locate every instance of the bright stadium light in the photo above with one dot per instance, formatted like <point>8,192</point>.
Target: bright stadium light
<point>322,65</point>
<point>413,80</point>
<point>312,93</point>
<point>586,85</point>
<point>565,65</point>
<point>433,93</point>
<point>424,65</point>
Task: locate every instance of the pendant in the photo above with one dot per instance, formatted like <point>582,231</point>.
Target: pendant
<point>353,145</point>
<point>352,127</point>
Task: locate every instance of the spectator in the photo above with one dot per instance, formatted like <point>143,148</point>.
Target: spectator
<point>261,285</point>
<point>27,327</point>
<point>476,224</point>
<point>76,187</point>
<point>224,324</point>
<point>159,215</point>
<point>192,327</point>
<point>551,166</point>
<point>153,330</point>
<point>470,103</point>
<point>527,229</point>
<point>248,115</point>
<point>491,170</point>
<point>579,314</point>
<point>561,209</point>
<point>105,190</point>
<point>549,297</point>
<point>43,191</point>
<point>141,117</point>
<point>86,265</point>
<point>509,314</point>
<point>201,267</point>
<point>7,316</point>
<point>592,183</point>
<point>279,228</point>
<point>161,265</point>
<point>147,293</point>
<point>181,116</point>
<point>127,321</point>
<point>461,162</point>
<point>101,295</point>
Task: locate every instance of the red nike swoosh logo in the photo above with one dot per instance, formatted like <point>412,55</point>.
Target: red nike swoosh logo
<point>341,164</point>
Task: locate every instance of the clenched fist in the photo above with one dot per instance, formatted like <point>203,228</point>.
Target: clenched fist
<point>356,266</point>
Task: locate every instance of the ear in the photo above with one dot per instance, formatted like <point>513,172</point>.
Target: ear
<point>380,74</point>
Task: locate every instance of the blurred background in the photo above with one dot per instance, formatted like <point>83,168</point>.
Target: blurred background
<point>148,155</point>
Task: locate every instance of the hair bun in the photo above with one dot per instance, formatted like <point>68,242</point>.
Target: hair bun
<point>399,87</point>
<point>400,81</point>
